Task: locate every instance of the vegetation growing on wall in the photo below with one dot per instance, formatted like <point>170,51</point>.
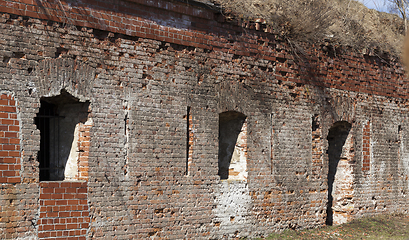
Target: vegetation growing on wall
<point>343,22</point>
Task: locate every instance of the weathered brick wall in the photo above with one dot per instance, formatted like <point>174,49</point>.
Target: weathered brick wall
<point>366,147</point>
<point>157,75</point>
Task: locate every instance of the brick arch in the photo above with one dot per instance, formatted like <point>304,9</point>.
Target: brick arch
<point>65,74</point>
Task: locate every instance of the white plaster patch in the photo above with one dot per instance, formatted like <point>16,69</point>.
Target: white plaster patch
<point>71,168</point>
<point>29,236</point>
<point>232,207</point>
<point>238,164</point>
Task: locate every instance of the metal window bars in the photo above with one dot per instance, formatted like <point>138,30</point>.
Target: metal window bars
<point>48,122</point>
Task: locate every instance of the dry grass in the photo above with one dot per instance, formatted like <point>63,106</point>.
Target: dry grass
<point>389,226</point>
<point>341,22</point>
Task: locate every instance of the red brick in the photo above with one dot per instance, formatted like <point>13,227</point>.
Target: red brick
<point>60,227</point>
<point>4,102</point>
<point>66,184</point>
<point>11,135</point>
<point>14,167</point>
<point>10,173</point>
<point>50,202</point>
<point>7,109</point>
<point>7,121</point>
<point>72,226</point>
<point>31,2</point>
<point>81,190</point>
<point>80,196</point>
<point>9,147</point>
<point>57,196</point>
<point>45,196</point>
<point>73,202</point>
<point>49,185</point>
<point>59,190</point>
<point>4,154</point>
<point>52,214</point>
<point>47,190</point>
<point>64,214</point>
<point>13,179</point>
<point>14,128</point>
<point>47,227</point>
<point>75,214</point>
<point>14,154</point>
<point>5,96</point>
<point>61,202</point>
<point>7,159</point>
<point>84,225</point>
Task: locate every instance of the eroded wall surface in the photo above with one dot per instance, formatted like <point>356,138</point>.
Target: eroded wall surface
<point>157,74</point>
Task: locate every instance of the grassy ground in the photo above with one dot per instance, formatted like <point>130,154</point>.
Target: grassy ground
<point>394,226</point>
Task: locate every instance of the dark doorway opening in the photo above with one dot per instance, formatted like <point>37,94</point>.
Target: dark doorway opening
<point>337,136</point>
<point>232,145</point>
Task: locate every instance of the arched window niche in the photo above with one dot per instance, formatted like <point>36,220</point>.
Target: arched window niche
<point>232,146</point>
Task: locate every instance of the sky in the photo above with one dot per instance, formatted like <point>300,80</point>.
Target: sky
<point>376,4</point>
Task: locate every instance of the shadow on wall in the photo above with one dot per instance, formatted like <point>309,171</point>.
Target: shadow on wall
<point>337,137</point>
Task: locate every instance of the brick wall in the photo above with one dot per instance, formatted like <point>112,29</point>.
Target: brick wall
<point>366,147</point>
<point>64,212</point>
<point>83,149</point>
<point>205,29</point>
<point>10,165</point>
<point>17,203</point>
<point>141,64</point>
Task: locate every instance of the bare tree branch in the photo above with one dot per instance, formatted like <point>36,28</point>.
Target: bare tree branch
<point>401,8</point>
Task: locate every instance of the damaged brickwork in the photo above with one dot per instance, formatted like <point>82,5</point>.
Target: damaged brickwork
<point>177,123</point>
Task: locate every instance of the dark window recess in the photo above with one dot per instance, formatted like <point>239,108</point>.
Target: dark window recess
<point>57,120</point>
<point>47,122</point>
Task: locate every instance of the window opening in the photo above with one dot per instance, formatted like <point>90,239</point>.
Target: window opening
<point>59,120</point>
<point>232,146</point>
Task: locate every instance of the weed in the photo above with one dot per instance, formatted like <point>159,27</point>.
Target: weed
<point>341,22</point>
